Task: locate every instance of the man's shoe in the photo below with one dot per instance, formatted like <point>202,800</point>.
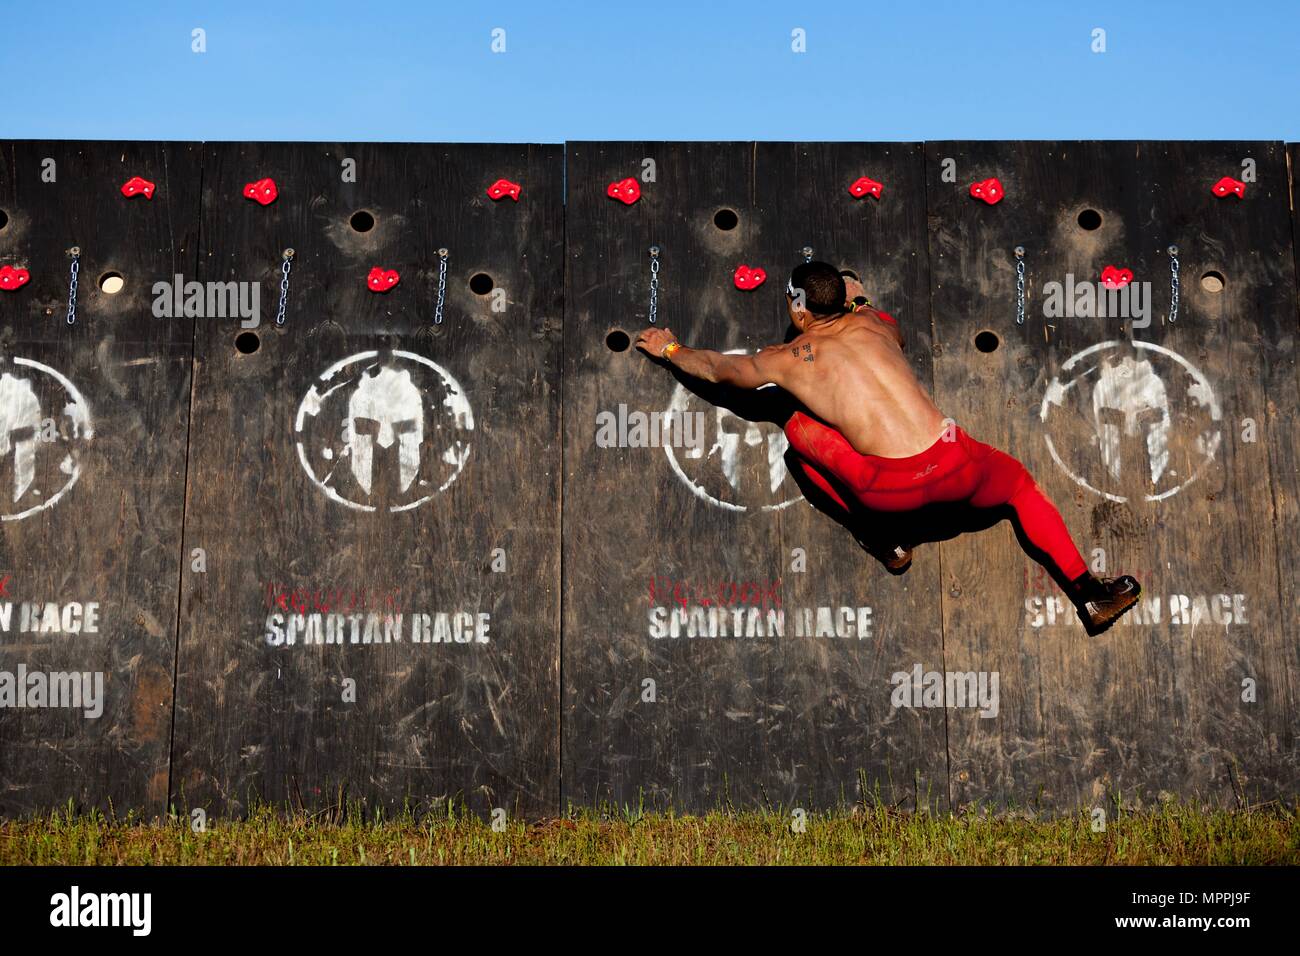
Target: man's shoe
<point>1107,602</point>
<point>896,559</point>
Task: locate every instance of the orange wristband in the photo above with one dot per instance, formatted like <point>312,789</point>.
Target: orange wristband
<point>670,348</point>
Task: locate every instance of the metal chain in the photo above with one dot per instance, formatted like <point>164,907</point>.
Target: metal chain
<point>75,252</point>
<point>285,266</point>
<point>1020,285</point>
<point>807,253</point>
<point>654,283</point>
<point>442,286</point>
<point>1173,283</point>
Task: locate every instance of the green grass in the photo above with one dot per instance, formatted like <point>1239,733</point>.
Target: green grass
<point>1171,834</point>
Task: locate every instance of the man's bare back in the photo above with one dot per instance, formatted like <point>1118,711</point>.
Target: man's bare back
<point>848,370</point>
<point>851,373</point>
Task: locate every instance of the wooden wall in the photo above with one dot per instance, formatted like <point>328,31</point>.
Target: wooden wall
<point>291,512</point>
<point>98,413</point>
<point>1156,704</point>
<point>764,716</point>
<point>231,485</point>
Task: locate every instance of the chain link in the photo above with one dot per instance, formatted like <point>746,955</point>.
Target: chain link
<point>442,286</point>
<point>654,283</point>
<point>75,253</point>
<point>1173,283</point>
<point>285,266</point>
<point>1020,285</point>
<point>807,253</point>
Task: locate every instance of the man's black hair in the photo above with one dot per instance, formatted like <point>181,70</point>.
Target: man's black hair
<point>823,287</point>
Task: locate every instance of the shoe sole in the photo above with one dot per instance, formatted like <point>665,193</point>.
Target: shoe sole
<point>895,565</point>
<point>891,564</point>
<point>1106,624</point>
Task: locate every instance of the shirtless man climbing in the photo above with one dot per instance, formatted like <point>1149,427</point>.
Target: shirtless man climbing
<point>872,433</point>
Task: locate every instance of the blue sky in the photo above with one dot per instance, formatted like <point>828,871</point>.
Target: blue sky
<point>630,69</point>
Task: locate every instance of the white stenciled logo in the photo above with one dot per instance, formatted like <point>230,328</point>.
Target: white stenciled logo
<point>1129,420</point>
<point>384,431</point>
<point>739,465</point>
<point>44,421</point>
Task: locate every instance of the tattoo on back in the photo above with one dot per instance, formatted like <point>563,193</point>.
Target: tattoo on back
<point>806,349</point>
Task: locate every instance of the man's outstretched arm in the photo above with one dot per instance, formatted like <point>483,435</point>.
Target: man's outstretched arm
<point>742,371</point>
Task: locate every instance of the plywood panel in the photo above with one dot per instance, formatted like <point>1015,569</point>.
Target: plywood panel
<point>774,710</point>
<point>1152,469</point>
<point>93,423</point>
<point>377,494</point>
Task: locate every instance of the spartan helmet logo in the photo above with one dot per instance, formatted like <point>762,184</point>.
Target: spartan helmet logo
<point>1130,401</point>
<point>20,422</point>
<point>372,409</point>
<point>737,439</point>
<point>1131,421</point>
<point>42,451</point>
<point>385,408</point>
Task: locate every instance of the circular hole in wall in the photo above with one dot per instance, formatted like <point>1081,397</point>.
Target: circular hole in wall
<point>1212,281</point>
<point>726,219</point>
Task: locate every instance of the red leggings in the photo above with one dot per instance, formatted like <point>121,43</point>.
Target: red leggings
<point>962,470</point>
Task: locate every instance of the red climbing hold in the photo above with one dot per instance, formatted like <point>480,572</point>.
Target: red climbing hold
<point>1113,278</point>
<point>865,186</point>
<point>990,190</point>
<point>11,278</point>
<point>1227,186</point>
<point>138,186</point>
<point>263,191</point>
<point>626,191</point>
<point>747,278</point>
<point>503,188</point>
<point>381,279</point>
